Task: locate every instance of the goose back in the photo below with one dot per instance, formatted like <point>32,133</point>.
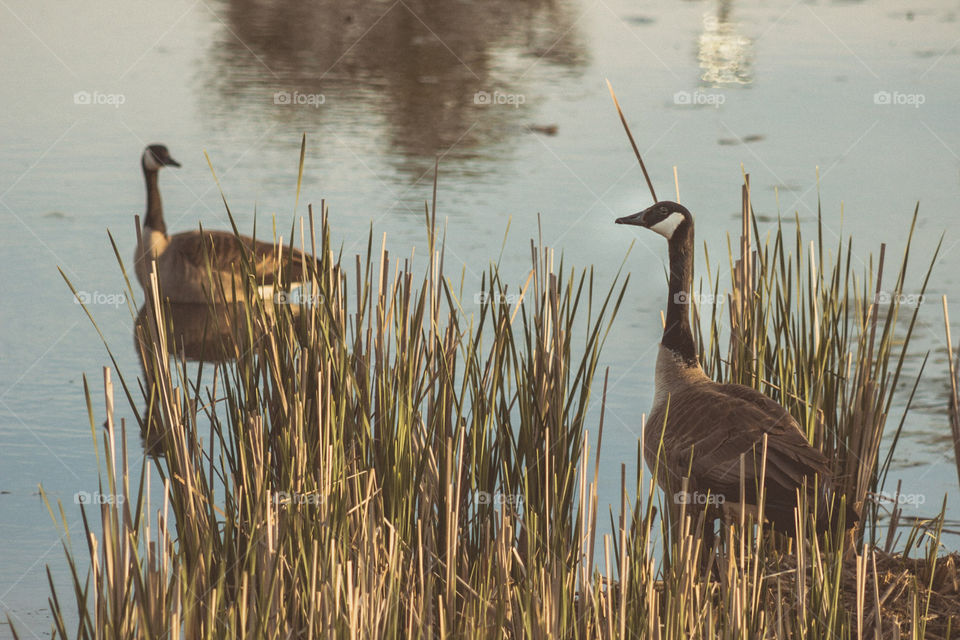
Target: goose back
<point>183,261</point>
<point>699,429</point>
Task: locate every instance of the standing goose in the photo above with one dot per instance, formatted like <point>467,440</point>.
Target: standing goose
<point>183,259</point>
<point>706,426</point>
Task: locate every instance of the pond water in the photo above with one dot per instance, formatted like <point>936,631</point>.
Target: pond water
<point>511,96</point>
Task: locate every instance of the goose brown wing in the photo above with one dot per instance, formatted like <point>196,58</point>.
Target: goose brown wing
<point>713,425</point>
<point>225,252</point>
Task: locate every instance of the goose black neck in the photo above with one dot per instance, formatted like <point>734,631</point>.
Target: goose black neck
<point>677,335</point>
<point>154,218</point>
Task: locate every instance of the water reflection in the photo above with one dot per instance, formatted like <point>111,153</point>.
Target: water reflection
<point>726,56</point>
<point>198,331</point>
<point>415,69</point>
<point>194,331</point>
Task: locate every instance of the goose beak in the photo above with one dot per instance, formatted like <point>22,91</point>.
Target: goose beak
<point>170,162</point>
<point>636,219</point>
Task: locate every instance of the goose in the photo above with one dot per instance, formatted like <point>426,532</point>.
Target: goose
<point>182,260</point>
<point>699,428</point>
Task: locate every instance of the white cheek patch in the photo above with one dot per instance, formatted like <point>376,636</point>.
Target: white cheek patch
<point>668,225</point>
<point>149,161</point>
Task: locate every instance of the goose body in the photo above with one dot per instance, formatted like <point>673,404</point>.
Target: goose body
<point>194,265</point>
<point>699,429</point>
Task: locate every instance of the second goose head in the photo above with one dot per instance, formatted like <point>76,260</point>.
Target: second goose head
<point>157,156</point>
<point>665,217</point>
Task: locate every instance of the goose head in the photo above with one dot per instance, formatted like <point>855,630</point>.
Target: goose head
<point>156,156</point>
<point>665,217</point>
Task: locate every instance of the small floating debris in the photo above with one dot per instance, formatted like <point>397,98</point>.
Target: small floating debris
<point>770,218</point>
<point>545,129</point>
<point>59,215</point>
<point>729,142</point>
<point>639,20</point>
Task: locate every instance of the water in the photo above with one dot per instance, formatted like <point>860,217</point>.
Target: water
<point>865,92</point>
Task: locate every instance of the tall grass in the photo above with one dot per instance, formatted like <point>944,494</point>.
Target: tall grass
<point>827,344</point>
<point>381,463</point>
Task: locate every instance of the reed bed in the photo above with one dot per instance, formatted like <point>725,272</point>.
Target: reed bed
<point>382,463</point>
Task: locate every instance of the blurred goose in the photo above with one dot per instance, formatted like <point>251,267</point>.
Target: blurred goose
<point>183,259</point>
<point>706,426</point>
